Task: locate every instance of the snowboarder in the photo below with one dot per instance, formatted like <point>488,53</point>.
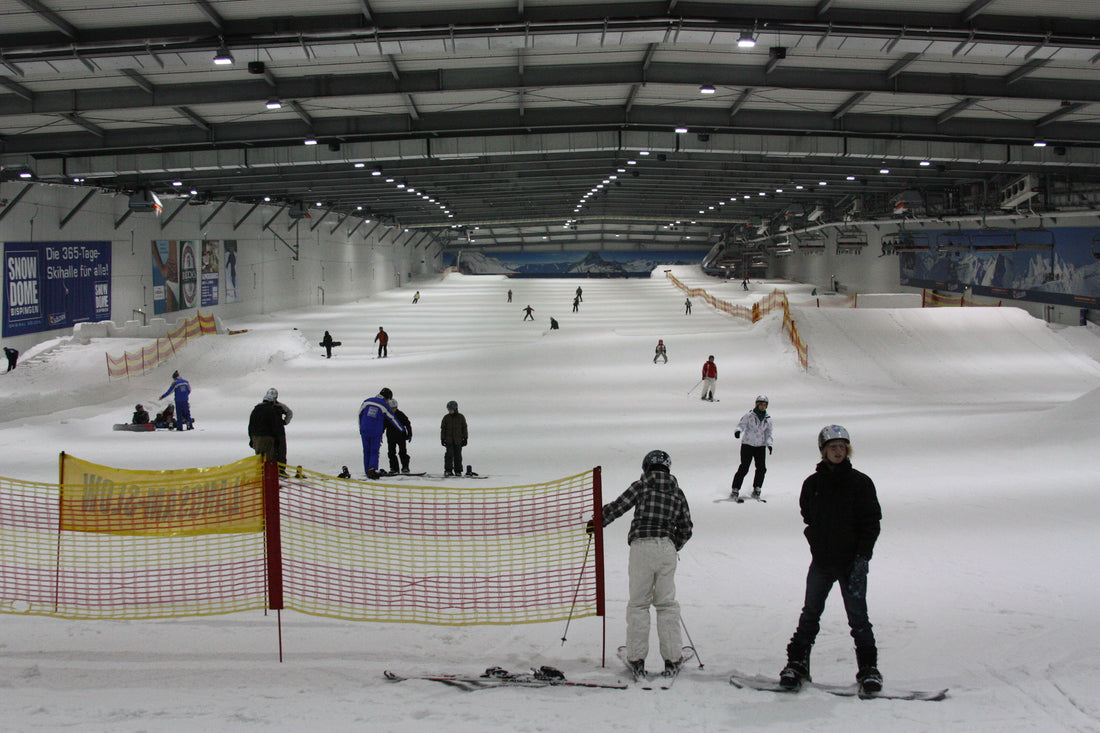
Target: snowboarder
<point>13,356</point>
<point>180,389</point>
<point>396,440</point>
<point>453,436</point>
<point>374,413</point>
<point>755,432</point>
<point>553,324</point>
<point>141,415</point>
<point>745,284</point>
<point>328,343</point>
<point>166,419</point>
<point>660,528</point>
<point>416,297</point>
<point>660,352</point>
<point>842,514</point>
<point>383,339</point>
<point>687,306</point>
<point>528,311</point>
<point>710,378</point>
<point>265,427</point>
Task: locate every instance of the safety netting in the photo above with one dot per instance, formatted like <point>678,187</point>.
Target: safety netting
<point>451,554</point>
<point>111,543</point>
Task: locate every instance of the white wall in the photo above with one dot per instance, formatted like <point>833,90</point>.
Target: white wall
<point>331,266</point>
<point>870,273</point>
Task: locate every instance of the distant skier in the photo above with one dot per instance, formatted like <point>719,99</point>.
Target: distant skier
<point>416,297</point>
<point>141,415</point>
<point>528,311</point>
<point>509,295</point>
<point>383,339</point>
<point>453,435</point>
<point>687,306</point>
<point>660,352</point>
<point>396,440</point>
<point>579,298</point>
<point>180,389</point>
<point>374,413</point>
<point>576,303</point>
<point>660,528</point>
<point>13,357</point>
<point>745,284</point>
<point>265,427</point>
<point>840,508</point>
<point>553,324</point>
<point>710,378</point>
<point>755,431</point>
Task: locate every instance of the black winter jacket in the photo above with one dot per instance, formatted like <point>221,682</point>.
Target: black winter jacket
<point>841,511</point>
<point>394,435</point>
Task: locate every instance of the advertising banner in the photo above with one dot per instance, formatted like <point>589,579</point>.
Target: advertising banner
<point>49,285</point>
<point>211,271</point>
<point>166,281</point>
<point>232,295</point>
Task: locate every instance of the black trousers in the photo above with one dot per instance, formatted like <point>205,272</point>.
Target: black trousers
<point>750,453</point>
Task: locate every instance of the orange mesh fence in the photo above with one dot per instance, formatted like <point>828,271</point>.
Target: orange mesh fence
<point>137,362</point>
<point>932,299</point>
<point>109,543</point>
<point>774,300</point>
<point>439,554</point>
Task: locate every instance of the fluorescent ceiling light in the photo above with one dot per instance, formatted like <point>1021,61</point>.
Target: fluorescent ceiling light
<point>707,89</point>
<point>274,104</point>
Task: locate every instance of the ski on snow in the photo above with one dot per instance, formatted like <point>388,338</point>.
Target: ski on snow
<point>741,499</point>
<point>664,681</point>
<point>770,684</point>
<point>494,677</point>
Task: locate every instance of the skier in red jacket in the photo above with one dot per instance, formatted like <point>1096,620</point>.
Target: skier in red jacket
<point>710,378</point>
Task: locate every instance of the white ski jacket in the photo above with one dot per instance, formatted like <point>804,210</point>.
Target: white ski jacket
<point>754,431</point>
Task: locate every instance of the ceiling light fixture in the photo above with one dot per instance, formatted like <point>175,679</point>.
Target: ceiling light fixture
<point>274,103</point>
<point>1039,144</point>
<point>222,57</point>
<point>746,40</point>
<point>707,89</point>
<point>309,141</point>
<point>681,130</point>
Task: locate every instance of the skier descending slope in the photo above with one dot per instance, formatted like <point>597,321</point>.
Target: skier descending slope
<point>841,511</point>
<point>660,528</point>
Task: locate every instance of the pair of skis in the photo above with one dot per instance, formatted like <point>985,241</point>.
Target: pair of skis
<point>664,681</point>
<point>495,677</point>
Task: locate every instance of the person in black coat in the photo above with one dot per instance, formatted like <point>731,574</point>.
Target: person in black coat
<point>13,357</point>
<point>397,440</point>
<point>328,343</point>
<point>265,427</point>
<point>840,508</point>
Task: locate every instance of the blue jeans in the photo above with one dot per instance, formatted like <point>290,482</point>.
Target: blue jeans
<point>819,581</point>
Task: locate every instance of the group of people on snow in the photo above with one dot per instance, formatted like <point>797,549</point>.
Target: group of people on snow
<point>840,509</point>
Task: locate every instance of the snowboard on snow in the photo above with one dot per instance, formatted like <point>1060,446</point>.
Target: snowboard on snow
<point>770,684</point>
<point>135,428</point>
<point>334,344</point>
<point>742,499</point>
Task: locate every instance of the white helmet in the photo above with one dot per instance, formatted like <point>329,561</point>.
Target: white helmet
<point>832,432</point>
<point>762,398</point>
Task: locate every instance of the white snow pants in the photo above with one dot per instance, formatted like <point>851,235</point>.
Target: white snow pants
<point>652,573</point>
<point>709,383</point>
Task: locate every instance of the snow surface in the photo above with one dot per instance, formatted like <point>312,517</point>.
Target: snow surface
<point>977,425</point>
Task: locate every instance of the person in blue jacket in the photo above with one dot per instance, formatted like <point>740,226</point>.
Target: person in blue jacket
<point>374,413</point>
<point>180,389</point>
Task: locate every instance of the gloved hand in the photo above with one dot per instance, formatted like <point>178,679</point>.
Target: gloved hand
<point>769,450</point>
<point>857,577</point>
<point>737,433</point>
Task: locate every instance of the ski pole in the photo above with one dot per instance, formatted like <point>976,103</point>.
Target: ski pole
<point>569,618</point>
<point>696,385</point>
<point>692,642</point>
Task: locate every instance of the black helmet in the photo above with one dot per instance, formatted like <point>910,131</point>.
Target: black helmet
<point>452,405</point>
<point>656,459</point>
<point>386,392</point>
<point>176,374</point>
<point>138,407</point>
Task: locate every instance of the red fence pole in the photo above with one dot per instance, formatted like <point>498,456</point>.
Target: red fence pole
<point>597,524</point>
<point>273,540</point>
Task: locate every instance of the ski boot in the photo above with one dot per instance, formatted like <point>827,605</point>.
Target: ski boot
<point>672,668</point>
<point>756,492</point>
<point>637,668</point>
<point>868,676</point>
<point>344,472</point>
<point>797,669</point>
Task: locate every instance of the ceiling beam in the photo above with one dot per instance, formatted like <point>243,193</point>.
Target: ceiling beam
<point>51,17</point>
<point>212,15</point>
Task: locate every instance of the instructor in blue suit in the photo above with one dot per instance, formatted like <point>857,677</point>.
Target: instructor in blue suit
<point>374,413</point>
<point>180,389</point>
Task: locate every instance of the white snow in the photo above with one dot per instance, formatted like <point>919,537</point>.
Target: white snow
<point>977,425</point>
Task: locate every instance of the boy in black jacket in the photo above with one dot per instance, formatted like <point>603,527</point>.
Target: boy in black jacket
<point>397,440</point>
<point>841,511</point>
